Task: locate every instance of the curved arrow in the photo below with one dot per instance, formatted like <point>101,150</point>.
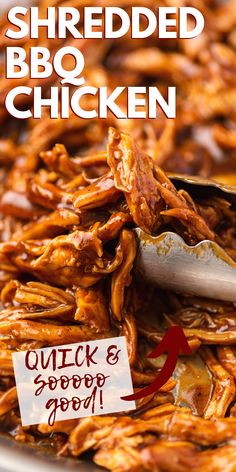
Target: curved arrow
<point>173,343</point>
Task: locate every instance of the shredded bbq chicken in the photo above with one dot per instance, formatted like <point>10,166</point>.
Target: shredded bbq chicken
<point>67,245</point>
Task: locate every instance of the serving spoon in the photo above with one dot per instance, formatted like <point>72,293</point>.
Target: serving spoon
<point>202,270</point>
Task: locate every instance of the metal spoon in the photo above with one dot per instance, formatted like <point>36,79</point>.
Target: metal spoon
<point>202,270</point>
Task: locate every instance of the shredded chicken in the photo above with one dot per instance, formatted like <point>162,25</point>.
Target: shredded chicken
<point>67,245</point>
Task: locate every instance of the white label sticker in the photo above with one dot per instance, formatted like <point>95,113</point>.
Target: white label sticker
<point>73,381</point>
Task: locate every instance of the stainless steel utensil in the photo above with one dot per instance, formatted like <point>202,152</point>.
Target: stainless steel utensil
<point>18,457</point>
<point>202,270</point>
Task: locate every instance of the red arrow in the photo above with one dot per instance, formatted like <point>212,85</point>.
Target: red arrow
<point>173,343</point>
